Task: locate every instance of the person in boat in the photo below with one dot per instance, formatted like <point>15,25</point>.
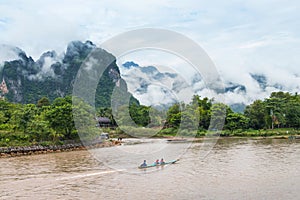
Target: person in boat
<point>144,164</point>
<point>162,162</point>
<point>156,162</point>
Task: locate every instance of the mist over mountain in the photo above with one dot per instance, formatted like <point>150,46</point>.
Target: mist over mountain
<point>155,88</point>
<point>151,86</point>
<point>53,75</point>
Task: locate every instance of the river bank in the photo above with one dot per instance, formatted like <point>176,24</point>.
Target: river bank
<point>40,149</point>
<point>6,152</point>
<point>201,139</point>
<point>260,134</point>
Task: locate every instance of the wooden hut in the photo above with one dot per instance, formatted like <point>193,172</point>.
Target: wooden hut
<point>104,122</point>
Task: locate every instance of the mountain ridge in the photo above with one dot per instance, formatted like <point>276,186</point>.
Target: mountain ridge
<point>53,76</point>
<point>237,94</point>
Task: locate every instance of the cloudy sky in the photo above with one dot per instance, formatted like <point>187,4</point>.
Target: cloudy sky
<point>240,36</point>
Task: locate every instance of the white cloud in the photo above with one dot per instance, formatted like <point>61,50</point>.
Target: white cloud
<point>240,36</point>
<point>8,53</point>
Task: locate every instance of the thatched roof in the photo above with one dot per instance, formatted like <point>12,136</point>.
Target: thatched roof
<point>103,120</point>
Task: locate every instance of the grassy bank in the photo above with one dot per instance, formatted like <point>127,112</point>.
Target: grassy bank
<point>171,132</point>
<point>19,139</point>
<point>261,133</point>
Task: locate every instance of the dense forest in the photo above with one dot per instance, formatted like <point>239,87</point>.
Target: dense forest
<point>52,122</point>
<point>280,111</point>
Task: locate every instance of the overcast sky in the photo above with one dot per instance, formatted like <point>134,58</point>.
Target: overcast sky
<point>240,36</point>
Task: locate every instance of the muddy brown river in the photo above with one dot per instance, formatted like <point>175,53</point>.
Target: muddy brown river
<point>231,169</point>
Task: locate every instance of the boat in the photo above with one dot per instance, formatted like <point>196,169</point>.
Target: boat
<point>157,165</point>
<point>293,137</point>
<point>177,140</point>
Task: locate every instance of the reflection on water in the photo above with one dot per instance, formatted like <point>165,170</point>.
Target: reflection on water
<point>234,169</point>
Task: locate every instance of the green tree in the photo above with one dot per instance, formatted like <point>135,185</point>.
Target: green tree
<point>140,114</point>
<point>276,106</point>
<point>203,107</point>
<point>84,120</point>
<point>22,116</point>
<point>257,114</point>
<point>218,115</point>
<point>16,119</point>
<point>39,129</point>
<point>174,116</point>
<point>3,119</point>
<point>235,121</point>
<point>156,117</point>
<point>44,101</point>
<point>293,115</point>
<point>7,109</point>
<point>60,117</point>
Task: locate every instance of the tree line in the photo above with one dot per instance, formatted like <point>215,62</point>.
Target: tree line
<point>53,121</point>
<point>280,110</point>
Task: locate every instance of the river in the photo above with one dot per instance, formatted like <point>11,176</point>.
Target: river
<point>231,169</point>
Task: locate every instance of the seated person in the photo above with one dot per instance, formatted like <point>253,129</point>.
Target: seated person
<point>162,162</point>
<point>156,162</point>
<point>144,164</point>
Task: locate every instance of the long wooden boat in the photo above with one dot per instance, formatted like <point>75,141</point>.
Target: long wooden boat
<point>157,165</point>
<point>177,140</point>
<point>293,137</point>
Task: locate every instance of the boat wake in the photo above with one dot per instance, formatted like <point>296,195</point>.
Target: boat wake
<point>91,174</point>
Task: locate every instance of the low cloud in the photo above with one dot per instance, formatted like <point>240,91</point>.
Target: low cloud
<point>8,53</point>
